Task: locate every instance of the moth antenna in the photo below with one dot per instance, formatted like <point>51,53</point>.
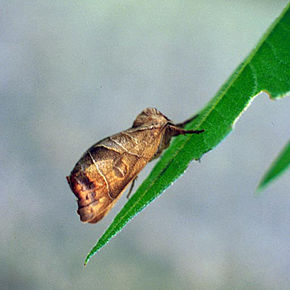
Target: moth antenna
<point>186,121</point>
<point>179,131</point>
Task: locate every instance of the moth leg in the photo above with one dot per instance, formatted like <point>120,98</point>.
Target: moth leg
<point>186,121</point>
<point>178,131</point>
<point>131,187</point>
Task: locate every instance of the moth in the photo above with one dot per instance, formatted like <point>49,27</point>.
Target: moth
<point>105,170</point>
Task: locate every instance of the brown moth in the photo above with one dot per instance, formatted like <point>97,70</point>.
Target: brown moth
<point>105,170</point>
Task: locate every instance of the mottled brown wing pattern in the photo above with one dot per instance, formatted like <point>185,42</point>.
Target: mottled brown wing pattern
<point>102,174</point>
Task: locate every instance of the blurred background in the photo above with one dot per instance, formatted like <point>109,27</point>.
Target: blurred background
<point>73,72</point>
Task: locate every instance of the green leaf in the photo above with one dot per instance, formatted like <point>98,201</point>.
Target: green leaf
<point>267,68</point>
<point>279,165</point>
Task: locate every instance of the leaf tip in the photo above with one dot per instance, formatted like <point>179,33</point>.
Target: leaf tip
<point>86,261</point>
<point>259,189</point>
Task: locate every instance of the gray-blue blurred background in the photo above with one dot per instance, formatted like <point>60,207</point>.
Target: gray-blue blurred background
<point>73,72</point>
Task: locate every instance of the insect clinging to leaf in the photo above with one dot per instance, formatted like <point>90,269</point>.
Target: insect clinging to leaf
<point>106,169</point>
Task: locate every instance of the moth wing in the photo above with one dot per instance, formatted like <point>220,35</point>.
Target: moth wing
<point>103,181</point>
<point>105,207</point>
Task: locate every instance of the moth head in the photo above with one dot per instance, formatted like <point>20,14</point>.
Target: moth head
<point>150,116</point>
